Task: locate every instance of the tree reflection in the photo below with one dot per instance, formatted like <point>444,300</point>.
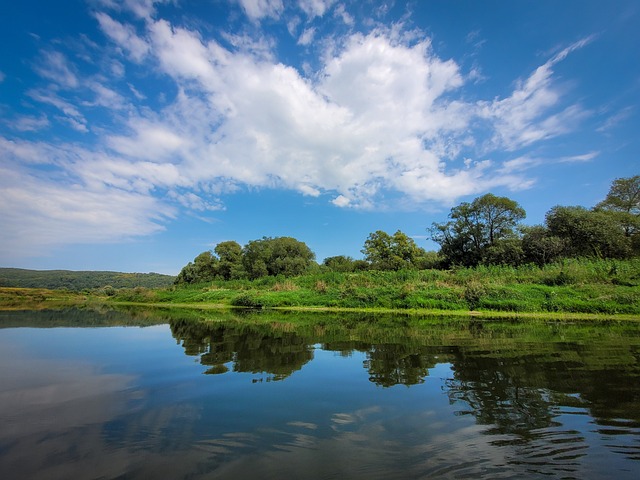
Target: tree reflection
<point>252,349</point>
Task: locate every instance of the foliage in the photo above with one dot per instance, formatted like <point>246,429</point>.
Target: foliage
<point>203,269</point>
<point>540,246</point>
<point>80,280</point>
<point>576,286</point>
<point>230,260</point>
<point>259,258</point>
<point>477,231</point>
<point>276,256</point>
<point>623,204</point>
<point>392,252</point>
<point>588,232</point>
<point>342,263</point>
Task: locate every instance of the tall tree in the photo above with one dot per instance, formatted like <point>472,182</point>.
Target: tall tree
<point>623,200</point>
<point>479,231</point>
<point>230,260</point>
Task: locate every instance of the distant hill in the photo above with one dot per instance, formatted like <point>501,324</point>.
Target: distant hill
<point>80,280</point>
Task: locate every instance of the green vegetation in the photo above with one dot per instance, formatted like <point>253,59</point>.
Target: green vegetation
<point>80,280</point>
<point>39,298</point>
<point>603,287</point>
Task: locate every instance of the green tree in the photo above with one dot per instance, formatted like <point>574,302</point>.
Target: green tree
<point>539,246</point>
<point>477,231</point>
<point>585,232</point>
<point>230,260</point>
<point>202,269</point>
<point>276,256</point>
<point>340,263</point>
<point>623,201</point>
<point>392,252</point>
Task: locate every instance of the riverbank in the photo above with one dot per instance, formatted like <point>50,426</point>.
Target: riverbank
<point>571,290</point>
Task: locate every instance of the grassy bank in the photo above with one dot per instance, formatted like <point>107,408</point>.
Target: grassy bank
<point>572,287</point>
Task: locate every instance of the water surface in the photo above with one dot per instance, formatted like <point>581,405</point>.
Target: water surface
<point>171,395</point>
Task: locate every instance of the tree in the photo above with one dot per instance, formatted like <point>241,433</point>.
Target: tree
<point>392,252</point>
<point>623,200</point>
<point>202,269</point>
<point>342,263</point>
<point>276,256</point>
<point>585,232</point>
<point>230,260</point>
<point>539,246</point>
<point>477,231</point>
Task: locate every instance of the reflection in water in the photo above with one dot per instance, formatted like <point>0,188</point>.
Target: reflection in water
<point>485,399</point>
<point>248,349</point>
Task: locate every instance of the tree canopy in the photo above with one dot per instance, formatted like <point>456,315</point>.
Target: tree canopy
<point>480,231</point>
<point>266,256</point>
<point>392,252</point>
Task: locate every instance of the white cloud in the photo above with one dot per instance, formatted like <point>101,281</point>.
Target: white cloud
<point>37,213</point>
<point>315,8</point>
<point>341,201</point>
<point>307,36</point>
<point>71,112</point>
<point>144,9</point>
<point>124,36</point>
<point>524,117</point>
<point>55,66</point>
<point>377,120</point>
<point>2,77</point>
<point>149,142</point>
<point>342,13</point>
<point>615,119</point>
<point>28,123</point>
<point>586,157</point>
<point>258,9</point>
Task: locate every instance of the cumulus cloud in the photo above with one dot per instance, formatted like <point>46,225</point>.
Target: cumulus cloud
<point>378,121</point>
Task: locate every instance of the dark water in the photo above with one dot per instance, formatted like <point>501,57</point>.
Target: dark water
<point>165,395</point>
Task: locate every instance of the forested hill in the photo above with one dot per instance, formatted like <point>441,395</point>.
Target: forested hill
<point>80,280</point>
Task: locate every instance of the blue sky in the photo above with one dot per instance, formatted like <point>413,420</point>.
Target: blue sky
<point>136,134</point>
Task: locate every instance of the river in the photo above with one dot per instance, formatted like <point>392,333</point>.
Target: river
<point>177,394</point>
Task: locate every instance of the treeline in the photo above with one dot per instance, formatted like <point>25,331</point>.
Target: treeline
<point>80,280</point>
<point>486,231</point>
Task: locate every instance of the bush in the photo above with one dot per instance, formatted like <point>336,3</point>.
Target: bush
<point>247,301</point>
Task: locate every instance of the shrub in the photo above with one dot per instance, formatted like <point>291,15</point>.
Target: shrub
<point>247,301</point>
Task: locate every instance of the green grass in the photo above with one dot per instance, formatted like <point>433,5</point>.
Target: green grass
<point>573,286</point>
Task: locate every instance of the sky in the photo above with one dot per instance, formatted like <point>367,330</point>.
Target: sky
<point>135,134</point>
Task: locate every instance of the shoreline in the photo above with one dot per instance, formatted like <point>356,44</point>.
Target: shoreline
<point>16,299</point>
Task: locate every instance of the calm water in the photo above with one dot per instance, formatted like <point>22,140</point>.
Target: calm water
<point>156,395</point>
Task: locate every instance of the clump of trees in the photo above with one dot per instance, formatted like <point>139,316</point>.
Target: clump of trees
<point>487,230</point>
<point>258,258</point>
